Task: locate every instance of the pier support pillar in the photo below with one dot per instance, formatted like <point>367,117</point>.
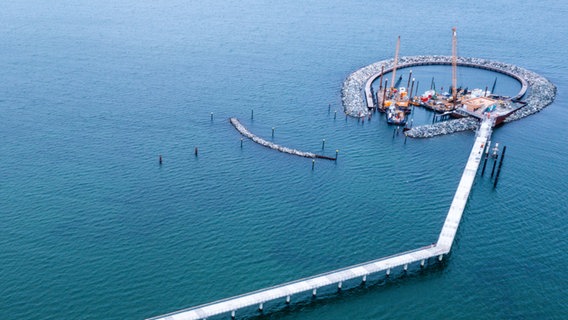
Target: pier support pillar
<point>422,263</point>
<point>388,272</point>
<point>493,170</point>
<point>287,299</point>
<point>405,267</point>
<point>440,257</point>
<point>364,279</point>
<point>314,292</point>
<point>499,168</point>
<point>261,307</point>
<point>339,285</point>
<point>233,314</point>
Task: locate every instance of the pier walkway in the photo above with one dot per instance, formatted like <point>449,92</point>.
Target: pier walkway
<point>337,277</point>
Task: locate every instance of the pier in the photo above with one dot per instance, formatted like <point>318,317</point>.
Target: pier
<point>337,277</point>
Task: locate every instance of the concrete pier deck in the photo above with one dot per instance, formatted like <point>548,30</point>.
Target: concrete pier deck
<point>336,277</point>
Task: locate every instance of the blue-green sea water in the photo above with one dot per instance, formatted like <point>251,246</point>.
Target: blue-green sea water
<point>92,227</point>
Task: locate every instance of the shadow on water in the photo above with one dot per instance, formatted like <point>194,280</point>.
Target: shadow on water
<point>351,290</point>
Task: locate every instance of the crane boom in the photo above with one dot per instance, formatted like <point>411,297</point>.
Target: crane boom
<point>395,60</point>
<point>454,65</point>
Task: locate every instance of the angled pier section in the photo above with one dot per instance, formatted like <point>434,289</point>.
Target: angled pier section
<point>453,218</point>
<point>336,277</point>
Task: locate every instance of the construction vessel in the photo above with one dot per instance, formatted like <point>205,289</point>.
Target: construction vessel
<point>394,100</point>
<point>463,103</point>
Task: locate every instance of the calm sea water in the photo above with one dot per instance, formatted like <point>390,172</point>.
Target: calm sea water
<point>92,227</point>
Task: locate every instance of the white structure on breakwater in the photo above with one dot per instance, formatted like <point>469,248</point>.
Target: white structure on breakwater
<point>361,271</point>
<point>357,95</point>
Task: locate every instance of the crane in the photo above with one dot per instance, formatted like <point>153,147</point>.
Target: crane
<point>395,60</point>
<point>454,66</point>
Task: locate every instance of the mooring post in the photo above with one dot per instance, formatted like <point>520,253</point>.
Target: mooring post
<point>410,96</point>
<point>416,91</point>
<point>499,168</point>
<point>272,132</point>
<point>160,160</point>
<point>252,114</point>
<point>393,133</point>
<point>334,114</point>
<point>323,144</point>
<point>241,143</point>
<point>494,163</point>
<point>328,108</point>
<point>211,116</point>
<point>484,164</point>
<point>384,95</point>
<point>397,130</point>
<point>494,84</point>
<point>405,136</point>
<point>313,164</point>
<point>336,154</point>
<point>195,151</point>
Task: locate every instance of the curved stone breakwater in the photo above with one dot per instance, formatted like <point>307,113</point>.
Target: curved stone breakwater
<point>541,92</point>
<point>244,131</point>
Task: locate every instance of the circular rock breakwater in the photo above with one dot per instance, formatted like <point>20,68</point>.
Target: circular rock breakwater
<point>540,92</point>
